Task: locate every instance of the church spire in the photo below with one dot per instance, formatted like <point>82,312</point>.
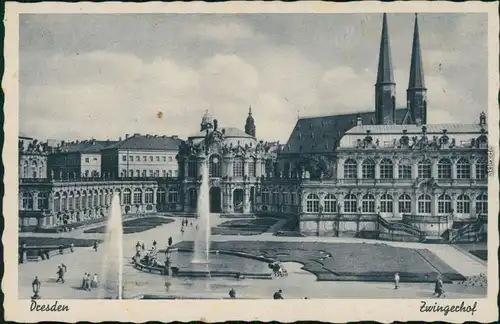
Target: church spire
<point>385,72</point>
<point>250,123</point>
<point>416,67</point>
<point>416,95</point>
<point>385,88</point>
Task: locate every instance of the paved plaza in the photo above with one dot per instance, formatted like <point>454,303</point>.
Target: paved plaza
<point>298,284</point>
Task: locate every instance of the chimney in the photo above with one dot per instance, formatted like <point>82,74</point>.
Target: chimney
<point>359,121</point>
<point>126,136</point>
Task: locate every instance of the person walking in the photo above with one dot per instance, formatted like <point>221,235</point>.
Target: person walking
<point>170,241</point>
<point>87,282</point>
<point>396,280</point>
<point>438,288</point>
<point>60,274</point>
<point>83,281</point>
<point>94,281</point>
<point>95,246</point>
<point>232,293</point>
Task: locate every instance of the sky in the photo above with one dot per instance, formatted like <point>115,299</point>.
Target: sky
<point>106,75</point>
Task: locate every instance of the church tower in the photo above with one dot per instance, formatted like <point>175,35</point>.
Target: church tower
<point>250,123</point>
<point>385,88</point>
<point>416,95</point>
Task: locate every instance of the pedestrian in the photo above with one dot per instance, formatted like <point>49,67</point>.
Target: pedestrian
<point>191,224</point>
<point>396,280</point>
<point>170,241</point>
<point>143,246</point>
<point>94,281</point>
<point>167,285</point>
<point>95,246</point>
<point>72,247</point>
<point>278,294</point>
<point>83,280</point>
<point>439,289</point>
<point>60,274</point>
<point>87,282</point>
<point>232,293</point>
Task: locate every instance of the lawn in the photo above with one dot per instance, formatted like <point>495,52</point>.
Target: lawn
<point>348,261</point>
<point>55,241</point>
<point>253,226</point>
<point>135,225</point>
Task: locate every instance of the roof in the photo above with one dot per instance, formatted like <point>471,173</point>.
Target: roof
<point>416,68</point>
<point>415,129</point>
<point>148,142</point>
<point>23,136</point>
<point>322,134</point>
<point>88,146</point>
<point>227,131</point>
<point>385,72</point>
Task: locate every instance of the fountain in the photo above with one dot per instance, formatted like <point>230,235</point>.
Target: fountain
<point>202,239</point>
<point>112,265</point>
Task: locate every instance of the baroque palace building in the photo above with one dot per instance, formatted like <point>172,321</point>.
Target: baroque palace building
<point>388,173</point>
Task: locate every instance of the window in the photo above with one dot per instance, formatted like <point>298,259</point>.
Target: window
<point>57,202</point>
<point>238,166</point>
<point>350,203</point>
<point>101,200</point>
<point>251,168</point>
<point>70,201</point>
<point>350,169</point>
<point>481,169</point>
<point>215,166</point>
<point>151,173</point>
<point>368,203</point>
<point>312,203</point>
<point>64,202</point>
<point>84,199</point>
<point>482,204</point>
<point>164,159</point>
<point>124,158</point>
<point>157,159</point>
<point>275,198</point>
<point>192,168</point>
<point>176,173</point>
<point>148,197</point>
<point>151,159</point>
<point>145,158</point>
<point>131,158</point>
<point>127,194</point>
<point>27,201</point>
<point>293,198</point>
<point>404,203</point>
<point>425,169</point>
<point>284,198</point>
<point>424,204</point>
<point>444,169</point>
<point>463,204</point>
<point>386,169</point>
<point>89,200</point>
<point>138,173</point>
<point>137,196</point>
<point>25,169</point>
<point>87,160</point>
<point>96,198</point>
<point>330,204</point>
<point>386,204</point>
<point>43,201</point>
<point>169,159</point>
<point>172,196</point>
<point>169,173</point>
<point>137,158</point>
<point>265,197</point>
<point>368,169</point>
<point>144,173</point>
<point>463,169</point>
<point>444,204</point>
<point>404,171</point>
<point>160,196</point>
<point>163,173</point>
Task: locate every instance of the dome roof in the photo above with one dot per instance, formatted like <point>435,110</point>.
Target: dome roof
<point>207,118</point>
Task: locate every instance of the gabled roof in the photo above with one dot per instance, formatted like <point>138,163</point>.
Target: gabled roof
<point>322,134</point>
<point>88,146</point>
<point>148,142</point>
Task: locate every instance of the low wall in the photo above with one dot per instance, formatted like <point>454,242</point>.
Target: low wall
<point>39,253</point>
<point>431,225</point>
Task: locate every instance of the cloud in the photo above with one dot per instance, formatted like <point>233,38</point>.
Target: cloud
<point>222,31</point>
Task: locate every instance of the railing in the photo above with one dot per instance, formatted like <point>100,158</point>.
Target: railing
<point>467,228</point>
<point>74,180</point>
<point>401,227</point>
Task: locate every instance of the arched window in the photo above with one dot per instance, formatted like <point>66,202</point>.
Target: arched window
<point>42,201</point>
<point>144,173</point>
<point>27,201</point>
<point>481,169</point>
<point>350,203</point>
<point>424,204</point>
<point>238,166</point>
<point>312,203</point>
<point>193,197</point>
<point>160,196</point>
<point>368,169</point>
<point>64,202</point>
<point>386,204</point>
<point>330,204</point>
<point>34,169</point>
<point>215,166</point>
<point>404,203</point>
<point>350,169</point>
<point>463,169</point>
<point>148,197</point>
<point>368,203</point>
<point>404,169</point>
<point>77,200</point>
<point>425,169</point>
<point>444,204</point>
<point>127,197</point>
<point>386,169</point>
<point>137,196</point>
<point>84,199</point>
<point>482,204</point>
<point>444,169</point>
<point>89,199</point>
<point>265,197</point>
<point>57,202</point>
<point>251,167</point>
<point>138,173</point>
<point>131,173</point>
<point>96,198</point>
<point>463,204</point>
<point>71,201</point>
<point>101,198</point>
<point>151,173</point>
<point>173,196</point>
<point>192,168</point>
<point>119,193</point>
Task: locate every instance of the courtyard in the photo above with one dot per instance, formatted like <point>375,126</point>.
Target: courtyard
<point>326,267</point>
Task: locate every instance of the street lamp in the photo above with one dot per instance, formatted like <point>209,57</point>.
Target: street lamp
<point>36,288</point>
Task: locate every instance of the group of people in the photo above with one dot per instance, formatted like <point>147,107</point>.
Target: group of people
<point>185,223</point>
<point>278,269</point>
<point>89,283</point>
<point>438,285</point>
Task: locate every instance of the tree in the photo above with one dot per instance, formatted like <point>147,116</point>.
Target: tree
<point>319,166</point>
